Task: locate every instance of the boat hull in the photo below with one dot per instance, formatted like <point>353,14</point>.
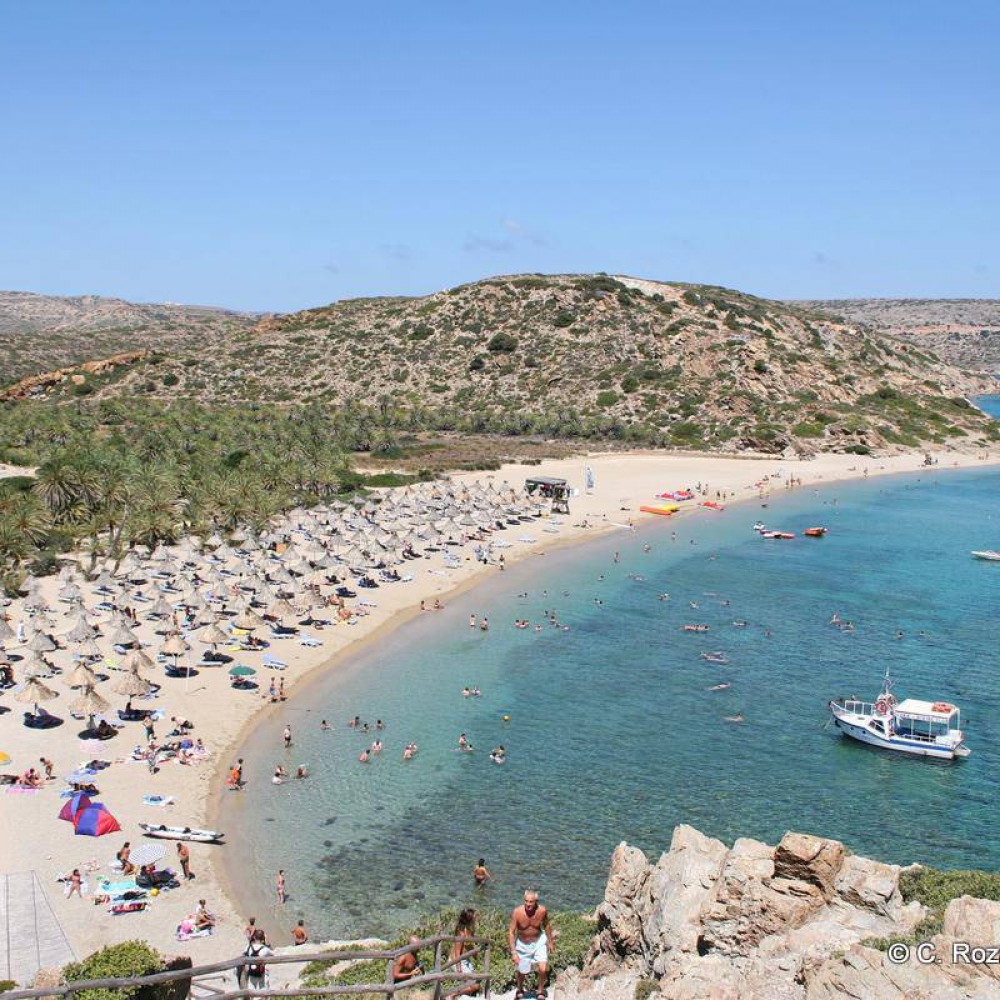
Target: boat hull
<point>181,833</point>
<point>864,735</point>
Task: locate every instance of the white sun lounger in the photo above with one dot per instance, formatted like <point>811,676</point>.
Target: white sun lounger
<point>309,640</point>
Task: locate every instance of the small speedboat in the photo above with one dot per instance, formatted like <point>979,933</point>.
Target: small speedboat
<point>777,534</point>
<point>814,532</point>
<point>180,833</point>
<point>988,554</point>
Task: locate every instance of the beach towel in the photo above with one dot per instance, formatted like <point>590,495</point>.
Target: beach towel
<point>20,790</point>
<point>158,800</point>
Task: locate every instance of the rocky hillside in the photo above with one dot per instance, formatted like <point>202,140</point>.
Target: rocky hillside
<point>805,920</point>
<point>963,332</point>
<point>588,355</point>
<point>575,356</point>
<point>42,333</point>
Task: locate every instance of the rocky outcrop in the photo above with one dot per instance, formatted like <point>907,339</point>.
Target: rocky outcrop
<point>35,385</point>
<point>790,922</point>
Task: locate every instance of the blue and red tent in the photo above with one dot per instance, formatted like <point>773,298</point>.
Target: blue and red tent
<point>94,821</point>
<point>80,800</point>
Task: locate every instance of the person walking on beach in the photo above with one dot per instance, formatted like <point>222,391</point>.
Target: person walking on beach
<point>184,859</point>
<point>48,765</point>
<point>530,940</point>
<point>251,926</point>
<point>280,887</point>
<point>147,724</point>
<point>75,884</point>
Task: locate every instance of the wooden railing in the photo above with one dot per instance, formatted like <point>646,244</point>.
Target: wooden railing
<point>444,971</point>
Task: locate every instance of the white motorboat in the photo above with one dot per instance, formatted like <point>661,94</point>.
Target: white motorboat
<point>180,833</point>
<point>921,728</point>
<point>988,554</point>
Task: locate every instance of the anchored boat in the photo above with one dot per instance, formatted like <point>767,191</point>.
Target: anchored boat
<point>180,833</point>
<point>921,728</point>
<point>988,554</point>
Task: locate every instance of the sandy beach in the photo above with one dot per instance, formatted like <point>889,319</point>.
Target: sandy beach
<point>221,715</point>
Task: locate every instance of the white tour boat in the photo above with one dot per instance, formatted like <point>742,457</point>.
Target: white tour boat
<point>922,728</point>
<point>990,555</point>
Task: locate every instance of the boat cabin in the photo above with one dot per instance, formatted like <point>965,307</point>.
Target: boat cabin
<point>925,719</point>
<point>556,490</point>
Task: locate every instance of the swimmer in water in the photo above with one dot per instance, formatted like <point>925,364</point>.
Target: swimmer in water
<point>735,718</point>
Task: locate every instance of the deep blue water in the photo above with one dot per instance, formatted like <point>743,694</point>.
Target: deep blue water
<point>613,734</point>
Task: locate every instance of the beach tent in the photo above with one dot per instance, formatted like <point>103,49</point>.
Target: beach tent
<point>72,806</point>
<point>94,821</point>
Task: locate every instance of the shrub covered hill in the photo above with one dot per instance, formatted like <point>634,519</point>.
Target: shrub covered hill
<point>39,333</point>
<point>585,356</point>
<point>963,332</point>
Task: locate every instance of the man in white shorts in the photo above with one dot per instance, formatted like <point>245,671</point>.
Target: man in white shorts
<point>530,939</point>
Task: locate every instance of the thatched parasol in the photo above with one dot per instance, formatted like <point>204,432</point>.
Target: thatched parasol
<point>132,684</point>
<point>89,702</point>
<point>33,691</point>
<point>213,635</point>
<point>41,643</point>
<point>81,676</point>
<point>248,620</point>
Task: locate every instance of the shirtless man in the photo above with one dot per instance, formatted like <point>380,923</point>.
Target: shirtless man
<point>530,939</point>
<point>407,966</point>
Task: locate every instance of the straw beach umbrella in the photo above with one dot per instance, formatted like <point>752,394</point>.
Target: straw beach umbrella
<point>33,691</point>
<point>89,702</point>
<point>138,659</point>
<point>132,685</point>
<point>41,643</point>
<point>81,676</point>
<point>248,620</point>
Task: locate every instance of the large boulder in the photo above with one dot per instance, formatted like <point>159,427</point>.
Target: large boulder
<point>866,973</point>
<point>870,884</point>
<point>804,858</point>
<point>619,940</point>
<point>678,889</point>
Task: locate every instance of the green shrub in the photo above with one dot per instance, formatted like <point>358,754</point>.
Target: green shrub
<point>502,343</point>
<point>574,933</point>
<point>857,449</point>
<point>170,379</point>
<point>6,985</point>
<point>607,398</point>
<point>645,988</point>
<point>808,430</point>
<point>130,958</point>
<point>477,364</point>
<point>760,366</point>
<point>630,383</point>
<point>563,318</point>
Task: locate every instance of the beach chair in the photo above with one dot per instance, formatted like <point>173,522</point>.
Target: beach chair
<point>274,663</point>
<point>309,640</point>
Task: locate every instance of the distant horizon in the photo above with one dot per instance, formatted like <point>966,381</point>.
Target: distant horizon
<point>273,157</point>
<point>489,277</point>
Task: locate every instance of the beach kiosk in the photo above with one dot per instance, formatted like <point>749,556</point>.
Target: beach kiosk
<point>556,490</point>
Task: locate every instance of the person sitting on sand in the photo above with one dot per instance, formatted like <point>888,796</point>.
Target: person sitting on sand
<point>123,859</point>
<point>203,920</point>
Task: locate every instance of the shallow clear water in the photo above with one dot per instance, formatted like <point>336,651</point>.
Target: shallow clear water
<point>613,733</point>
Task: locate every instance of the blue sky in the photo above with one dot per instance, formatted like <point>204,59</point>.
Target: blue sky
<point>277,156</point>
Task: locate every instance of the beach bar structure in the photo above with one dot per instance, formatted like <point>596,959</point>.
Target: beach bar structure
<point>556,490</point>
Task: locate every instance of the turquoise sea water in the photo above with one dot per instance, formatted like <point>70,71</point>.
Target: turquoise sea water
<point>613,733</point>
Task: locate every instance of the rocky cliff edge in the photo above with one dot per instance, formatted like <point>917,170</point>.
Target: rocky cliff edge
<point>756,922</point>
